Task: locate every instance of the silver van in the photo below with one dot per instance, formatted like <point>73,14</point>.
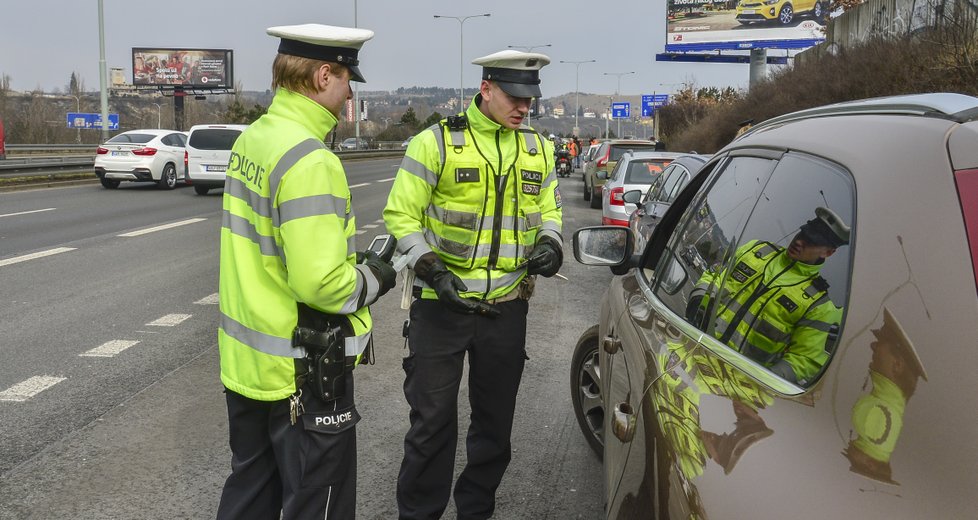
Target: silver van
<point>208,153</point>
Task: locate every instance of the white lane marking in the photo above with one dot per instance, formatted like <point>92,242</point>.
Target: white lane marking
<point>211,299</point>
<point>362,231</point>
<point>362,184</point>
<point>387,180</point>
<point>26,389</point>
<point>379,221</point>
<point>369,226</point>
<point>32,256</point>
<point>170,320</point>
<point>161,228</point>
<point>27,212</point>
<point>110,348</point>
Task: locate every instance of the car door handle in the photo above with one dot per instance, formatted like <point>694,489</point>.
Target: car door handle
<point>623,422</point>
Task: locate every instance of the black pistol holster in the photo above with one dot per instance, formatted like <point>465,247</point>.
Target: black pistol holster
<point>323,339</point>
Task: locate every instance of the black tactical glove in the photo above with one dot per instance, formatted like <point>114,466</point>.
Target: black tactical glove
<point>383,270</point>
<point>546,257</point>
<point>432,270</point>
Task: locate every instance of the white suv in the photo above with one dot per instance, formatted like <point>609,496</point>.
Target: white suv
<point>208,153</point>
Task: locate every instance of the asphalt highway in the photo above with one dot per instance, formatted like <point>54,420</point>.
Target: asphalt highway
<point>110,397</point>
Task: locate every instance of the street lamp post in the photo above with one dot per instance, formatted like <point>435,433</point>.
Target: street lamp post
<point>618,90</point>
<point>577,89</point>
<point>159,112</point>
<point>356,94</point>
<point>461,24</point>
<point>102,79</point>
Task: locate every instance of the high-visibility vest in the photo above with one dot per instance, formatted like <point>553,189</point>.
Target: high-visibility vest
<point>480,197</point>
<point>790,319</point>
<point>288,236</point>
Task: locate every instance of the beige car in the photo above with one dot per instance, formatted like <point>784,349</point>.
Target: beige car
<point>797,338</point>
<point>603,161</point>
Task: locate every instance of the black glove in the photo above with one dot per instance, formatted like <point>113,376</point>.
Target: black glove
<point>546,257</point>
<point>383,270</point>
<point>447,285</point>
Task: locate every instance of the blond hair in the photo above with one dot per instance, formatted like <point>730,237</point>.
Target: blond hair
<point>296,73</point>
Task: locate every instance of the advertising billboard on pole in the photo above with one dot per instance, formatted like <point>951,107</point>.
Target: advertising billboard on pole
<point>198,68</point>
<point>705,25</point>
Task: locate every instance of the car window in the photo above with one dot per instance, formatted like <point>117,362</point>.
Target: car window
<point>620,166</point>
<point>644,172</point>
<point>760,262</point>
<point>674,184</point>
<point>620,149</point>
<point>656,186</point>
<point>214,138</point>
<point>132,138</point>
<point>173,140</point>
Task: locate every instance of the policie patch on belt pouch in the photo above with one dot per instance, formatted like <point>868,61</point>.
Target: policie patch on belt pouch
<point>466,175</point>
<point>786,302</point>
<point>331,422</point>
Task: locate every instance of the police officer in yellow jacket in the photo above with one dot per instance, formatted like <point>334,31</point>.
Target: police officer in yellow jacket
<point>293,299</point>
<point>476,209</point>
<point>773,305</point>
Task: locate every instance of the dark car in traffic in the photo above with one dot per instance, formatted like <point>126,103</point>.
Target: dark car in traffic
<point>652,205</point>
<point>795,340</point>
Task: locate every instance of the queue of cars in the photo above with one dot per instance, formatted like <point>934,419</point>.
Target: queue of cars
<point>603,161</point>
<point>692,421</point>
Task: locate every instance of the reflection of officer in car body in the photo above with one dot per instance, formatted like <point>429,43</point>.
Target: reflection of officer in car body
<point>877,417</point>
<point>773,306</point>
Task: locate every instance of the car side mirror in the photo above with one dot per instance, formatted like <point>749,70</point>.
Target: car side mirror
<point>633,196</point>
<point>609,246</point>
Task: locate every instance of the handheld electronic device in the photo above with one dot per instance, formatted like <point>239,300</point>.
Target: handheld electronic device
<point>384,246</point>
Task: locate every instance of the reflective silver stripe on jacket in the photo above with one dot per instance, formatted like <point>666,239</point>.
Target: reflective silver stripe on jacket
<point>531,143</point>
<point>461,250</point>
<point>765,250</point>
<point>439,140</point>
<point>816,324</point>
<point>473,221</point>
<point>244,228</point>
<point>312,206</point>
<point>355,345</point>
<point>288,160</point>
<point>457,137</point>
<point>366,292</point>
<point>267,344</point>
<point>550,179</point>
<point>260,205</point>
<point>413,246</point>
<point>419,170</point>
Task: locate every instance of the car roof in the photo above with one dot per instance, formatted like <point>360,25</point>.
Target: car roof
<point>954,107</point>
<point>218,126</point>
<point>650,154</point>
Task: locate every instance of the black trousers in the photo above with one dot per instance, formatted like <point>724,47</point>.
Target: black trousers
<point>439,339</point>
<point>281,470</point>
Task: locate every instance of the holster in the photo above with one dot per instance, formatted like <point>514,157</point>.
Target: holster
<point>322,337</point>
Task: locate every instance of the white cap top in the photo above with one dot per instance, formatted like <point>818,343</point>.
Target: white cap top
<point>516,60</point>
<point>323,35</point>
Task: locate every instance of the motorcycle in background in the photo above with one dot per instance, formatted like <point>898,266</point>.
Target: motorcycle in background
<point>563,164</point>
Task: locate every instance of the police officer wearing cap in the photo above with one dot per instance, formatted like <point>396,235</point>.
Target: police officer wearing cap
<point>476,209</point>
<point>773,305</point>
<point>291,289</point>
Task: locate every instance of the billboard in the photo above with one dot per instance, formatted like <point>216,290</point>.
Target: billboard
<point>198,68</point>
<point>705,25</point>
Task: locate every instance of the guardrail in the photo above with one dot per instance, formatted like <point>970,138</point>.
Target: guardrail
<point>28,164</point>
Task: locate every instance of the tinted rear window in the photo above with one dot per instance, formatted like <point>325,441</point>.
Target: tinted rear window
<point>619,149</point>
<point>644,172</point>
<point>214,138</point>
<point>132,138</point>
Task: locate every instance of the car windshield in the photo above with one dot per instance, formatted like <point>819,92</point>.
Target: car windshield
<point>132,138</point>
<point>644,172</point>
<point>214,138</point>
<point>618,150</point>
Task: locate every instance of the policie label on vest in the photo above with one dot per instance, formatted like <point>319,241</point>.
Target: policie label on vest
<point>531,176</point>
<point>250,170</point>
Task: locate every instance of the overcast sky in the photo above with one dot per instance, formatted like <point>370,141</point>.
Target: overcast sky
<point>43,41</point>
